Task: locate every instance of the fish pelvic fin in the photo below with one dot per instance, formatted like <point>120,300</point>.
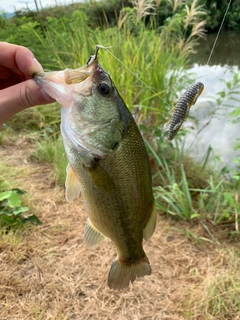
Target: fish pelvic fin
<point>151,224</point>
<point>92,236</point>
<point>72,184</point>
<point>121,273</point>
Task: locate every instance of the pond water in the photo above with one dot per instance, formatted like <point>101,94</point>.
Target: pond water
<point>212,126</point>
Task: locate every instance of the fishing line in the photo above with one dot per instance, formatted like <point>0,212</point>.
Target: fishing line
<point>218,33</point>
<point>210,55</point>
<point>135,75</point>
<point>220,29</point>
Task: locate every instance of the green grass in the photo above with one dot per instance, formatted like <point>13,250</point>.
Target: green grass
<point>35,120</point>
<point>190,191</point>
<point>51,150</point>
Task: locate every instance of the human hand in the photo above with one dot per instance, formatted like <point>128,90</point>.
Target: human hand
<point>17,89</point>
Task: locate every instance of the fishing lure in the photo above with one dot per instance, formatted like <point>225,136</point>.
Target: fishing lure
<point>181,110</point>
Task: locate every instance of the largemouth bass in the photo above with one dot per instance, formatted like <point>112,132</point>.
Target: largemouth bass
<point>108,165</point>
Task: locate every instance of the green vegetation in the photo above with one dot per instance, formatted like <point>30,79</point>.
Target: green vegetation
<point>106,13</point>
<point>51,150</point>
<point>215,13</point>
<point>191,192</point>
<point>12,211</point>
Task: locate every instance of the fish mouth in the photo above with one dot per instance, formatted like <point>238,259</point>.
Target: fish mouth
<point>61,85</point>
<point>72,76</point>
<point>69,76</point>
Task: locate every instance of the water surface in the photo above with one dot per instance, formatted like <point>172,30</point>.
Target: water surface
<point>211,126</point>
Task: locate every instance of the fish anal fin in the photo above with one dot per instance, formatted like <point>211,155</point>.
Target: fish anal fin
<point>72,184</point>
<point>151,225</point>
<point>92,236</point>
<point>101,178</point>
<point>121,274</point>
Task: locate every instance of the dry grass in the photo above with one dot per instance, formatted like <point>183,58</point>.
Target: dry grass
<point>46,272</point>
<point>144,8</point>
<point>176,3</point>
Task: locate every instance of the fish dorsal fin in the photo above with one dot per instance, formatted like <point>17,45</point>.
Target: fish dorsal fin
<point>151,224</point>
<point>72,184</point>
<point>91,235</point>
<point>101,178</point>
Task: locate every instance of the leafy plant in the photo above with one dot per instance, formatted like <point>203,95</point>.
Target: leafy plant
<point>12,211</point>
<point>233,94</point>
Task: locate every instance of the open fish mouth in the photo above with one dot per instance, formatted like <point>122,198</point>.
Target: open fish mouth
<point>72,76</point>
<point>60,84</point>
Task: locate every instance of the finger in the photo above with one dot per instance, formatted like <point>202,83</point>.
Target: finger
<point>18,59</point>
<point>10,79</point>
<point>19,97</point>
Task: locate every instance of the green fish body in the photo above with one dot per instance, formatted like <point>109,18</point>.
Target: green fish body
<point>108,165</point>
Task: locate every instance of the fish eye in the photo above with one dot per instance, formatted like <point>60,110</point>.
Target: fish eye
<point>104,88</point>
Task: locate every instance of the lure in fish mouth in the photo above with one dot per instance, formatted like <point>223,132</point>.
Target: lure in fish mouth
<point>108,165</point>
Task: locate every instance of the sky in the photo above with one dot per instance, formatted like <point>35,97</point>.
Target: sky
<point>11,5</point>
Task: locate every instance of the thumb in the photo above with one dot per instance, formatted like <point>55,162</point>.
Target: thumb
<point>19,97</point>
<point>29,94</point>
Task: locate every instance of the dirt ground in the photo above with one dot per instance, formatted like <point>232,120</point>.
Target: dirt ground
<point>47,273</point>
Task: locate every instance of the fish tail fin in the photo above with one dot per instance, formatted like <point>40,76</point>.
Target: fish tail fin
<point>121,273</point>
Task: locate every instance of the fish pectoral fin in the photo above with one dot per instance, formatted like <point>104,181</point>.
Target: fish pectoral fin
<point>91,235</point>
<point>151,225</point>
<point>121,274</point>
<point>72,184</point>
<point>101,178</point>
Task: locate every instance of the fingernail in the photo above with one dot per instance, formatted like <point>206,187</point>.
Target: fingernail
<point>37,65</point>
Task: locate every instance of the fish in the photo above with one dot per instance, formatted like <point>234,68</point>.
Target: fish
<point>108,165</point>
<point>181,110</point>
